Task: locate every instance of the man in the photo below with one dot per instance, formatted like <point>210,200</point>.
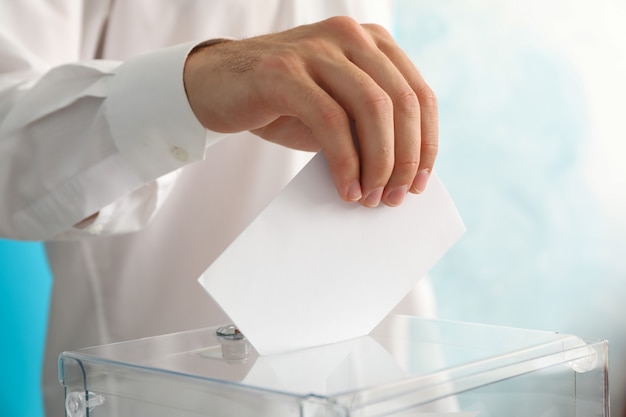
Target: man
<point>112,142</point>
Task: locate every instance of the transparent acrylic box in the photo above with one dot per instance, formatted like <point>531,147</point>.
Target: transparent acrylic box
<point>407,366</point>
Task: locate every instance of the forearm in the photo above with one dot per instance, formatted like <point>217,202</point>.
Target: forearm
<point>84,135</point>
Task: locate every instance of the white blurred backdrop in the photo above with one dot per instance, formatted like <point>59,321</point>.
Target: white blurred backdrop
<point>532,100</point>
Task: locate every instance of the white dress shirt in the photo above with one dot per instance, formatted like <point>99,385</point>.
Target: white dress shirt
<point>94,118</point>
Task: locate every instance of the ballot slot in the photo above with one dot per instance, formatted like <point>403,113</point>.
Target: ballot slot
<point>407,366</point>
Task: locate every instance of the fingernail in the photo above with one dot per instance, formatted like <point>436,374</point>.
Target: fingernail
<point>396,196</point>
<point>373,198</point>
<point>354,191</point>
<point>419,183</point>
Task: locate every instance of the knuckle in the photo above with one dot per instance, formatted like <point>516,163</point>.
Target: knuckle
<point>404,171</point>
<point>379,104</point>
<point>407,102</point>
<point>429,153</point>
<point>343,24</point>
<point>334,117</point>
<point>427,97</point>
<point>349,33</point>
<point>378,30</point>
<point>406,166</point>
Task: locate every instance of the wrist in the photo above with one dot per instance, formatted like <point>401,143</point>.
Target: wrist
<point>199,72</point>
<point>207,44</point>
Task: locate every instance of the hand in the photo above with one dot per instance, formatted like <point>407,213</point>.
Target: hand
<point>336,85</point>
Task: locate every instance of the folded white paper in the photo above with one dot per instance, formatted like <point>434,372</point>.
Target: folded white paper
<point>312,270</point>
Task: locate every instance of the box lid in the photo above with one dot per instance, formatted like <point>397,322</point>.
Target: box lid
<point>404,362</point>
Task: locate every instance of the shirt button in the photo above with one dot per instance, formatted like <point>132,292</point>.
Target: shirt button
<point>180,154</point>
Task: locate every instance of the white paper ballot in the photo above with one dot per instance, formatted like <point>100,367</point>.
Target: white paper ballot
<point>312,269</point>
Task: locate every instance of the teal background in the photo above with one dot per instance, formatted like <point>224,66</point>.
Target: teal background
<point>541,250</point>
<point>25,287</point>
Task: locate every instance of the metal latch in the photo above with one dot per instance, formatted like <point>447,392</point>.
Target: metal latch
<point>235,347</point>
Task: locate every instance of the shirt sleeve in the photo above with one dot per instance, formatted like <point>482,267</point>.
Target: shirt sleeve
<point>91,136</point>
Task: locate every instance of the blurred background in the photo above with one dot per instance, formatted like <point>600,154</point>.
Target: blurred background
<point>533,150</point>
<point>25,284</point>
<point>532,102</point>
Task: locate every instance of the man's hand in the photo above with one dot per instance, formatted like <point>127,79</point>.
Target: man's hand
<point>336,85</point>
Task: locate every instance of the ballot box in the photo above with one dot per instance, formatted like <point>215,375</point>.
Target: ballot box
<point>407,366</point>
